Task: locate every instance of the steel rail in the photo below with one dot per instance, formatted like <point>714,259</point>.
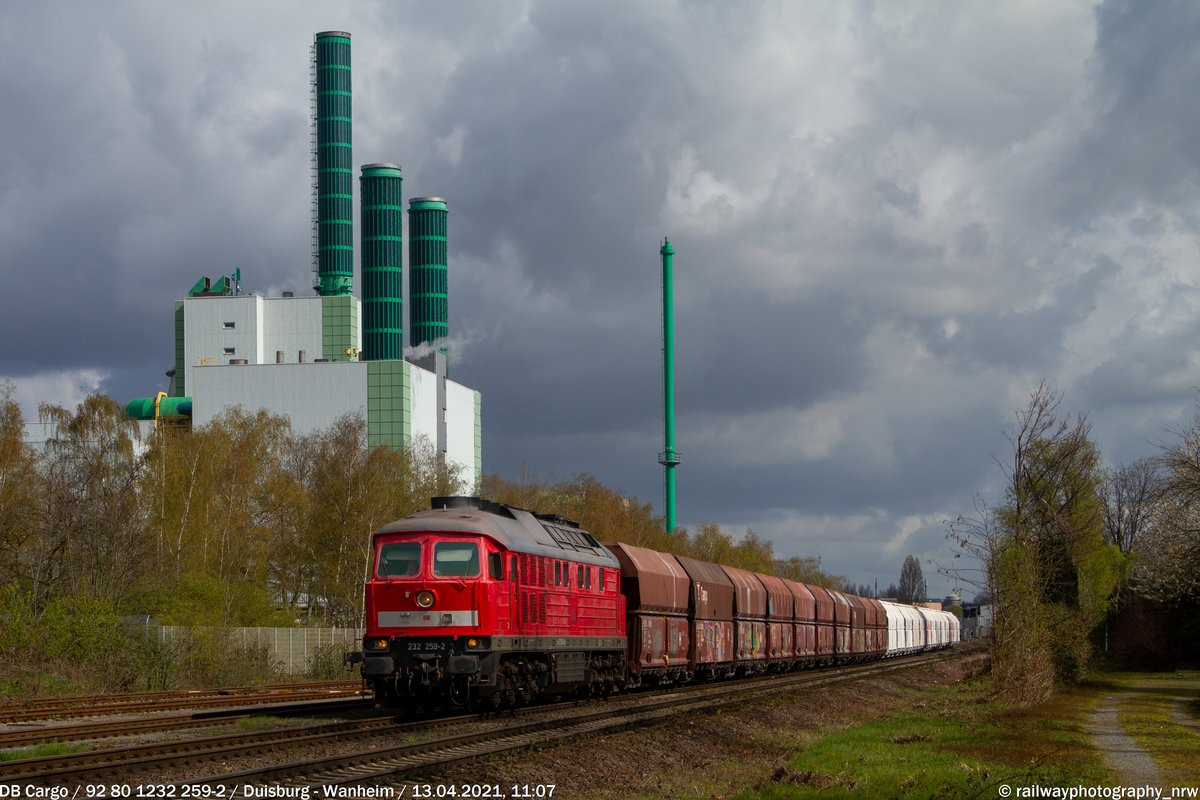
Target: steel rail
<point>20,704</point>
<point>94,764</point>
<point>372,765</point>
<point>74,732</point>
<point>172,702</point>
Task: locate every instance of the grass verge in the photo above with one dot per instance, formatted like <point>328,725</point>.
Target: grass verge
<point>954,742</point>
<point>43,750</point>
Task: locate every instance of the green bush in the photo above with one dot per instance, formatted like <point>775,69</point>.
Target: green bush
<point>79,645</point>
<point>212,657</point>
<point>67,645</point>
<point>327,663</point>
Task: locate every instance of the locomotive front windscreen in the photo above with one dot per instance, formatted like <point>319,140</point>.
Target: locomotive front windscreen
<point>456,560</point>
<point>400,560</point>
<point>408,559</point>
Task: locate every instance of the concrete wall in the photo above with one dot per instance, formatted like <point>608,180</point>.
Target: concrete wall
<point>313,396</point>
<point>463,432</point>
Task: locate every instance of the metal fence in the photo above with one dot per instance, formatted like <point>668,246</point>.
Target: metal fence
<point>291,648</point>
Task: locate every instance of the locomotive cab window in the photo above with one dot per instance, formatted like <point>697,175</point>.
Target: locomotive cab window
<point>496,566</point>
<point>399,560</point>
<point>455,559</point>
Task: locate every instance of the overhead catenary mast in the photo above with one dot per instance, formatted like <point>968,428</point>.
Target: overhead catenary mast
<point>668,458</point>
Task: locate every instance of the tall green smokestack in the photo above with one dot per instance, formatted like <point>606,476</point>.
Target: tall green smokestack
<point>428,308</point>
<point>382,255</point>
<point>668,458</point>
<point>334,164</point>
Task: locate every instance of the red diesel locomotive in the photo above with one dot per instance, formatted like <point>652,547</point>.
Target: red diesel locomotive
<point>475,600</point>
<point>473,603</point>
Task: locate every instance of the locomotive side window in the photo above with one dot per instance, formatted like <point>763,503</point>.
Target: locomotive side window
<point>496,566</point>
<point>399,559</point>
<point>455,559</point>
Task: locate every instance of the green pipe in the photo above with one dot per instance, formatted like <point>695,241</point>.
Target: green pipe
<point>668,458</point>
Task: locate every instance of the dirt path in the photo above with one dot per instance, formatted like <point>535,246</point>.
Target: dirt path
<point>1180,716</point>
<point>1129,763</point>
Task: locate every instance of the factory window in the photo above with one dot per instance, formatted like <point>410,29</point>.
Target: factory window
<point>229,351</point>
<point>230,325</point>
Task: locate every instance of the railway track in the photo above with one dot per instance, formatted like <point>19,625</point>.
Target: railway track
<point>100,705</point>
<point>27,736</point>
<point>375,750</point>
<point>403,762</point>
<point>73,768</point>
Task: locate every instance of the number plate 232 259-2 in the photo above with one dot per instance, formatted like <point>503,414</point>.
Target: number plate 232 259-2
<point>426,647</point>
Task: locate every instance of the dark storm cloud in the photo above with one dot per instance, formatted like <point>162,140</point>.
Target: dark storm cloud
<point>931,463</point>
<point>891,223</point>
<point>1145,143</point>
<point>548,160</point>
<point>770,348</point>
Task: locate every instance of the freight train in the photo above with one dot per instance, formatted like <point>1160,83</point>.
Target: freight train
<point>481,605</point>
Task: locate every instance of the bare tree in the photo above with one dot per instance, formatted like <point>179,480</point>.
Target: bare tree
<point>1180,462</point>
<point>1129,494</point>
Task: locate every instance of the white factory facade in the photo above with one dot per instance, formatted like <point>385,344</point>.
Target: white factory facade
<point>299,357</point>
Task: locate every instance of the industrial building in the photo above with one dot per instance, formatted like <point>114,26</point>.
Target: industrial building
<point>315,359</point>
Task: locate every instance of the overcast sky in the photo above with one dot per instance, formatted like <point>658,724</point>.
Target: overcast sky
<point>892,221</point>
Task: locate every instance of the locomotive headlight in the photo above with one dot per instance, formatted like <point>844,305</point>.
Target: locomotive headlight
<point>378,644</point>
<point>475,643</point>
<point>424,598</point>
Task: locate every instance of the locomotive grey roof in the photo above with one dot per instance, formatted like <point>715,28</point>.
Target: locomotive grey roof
<point>515,529</point>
